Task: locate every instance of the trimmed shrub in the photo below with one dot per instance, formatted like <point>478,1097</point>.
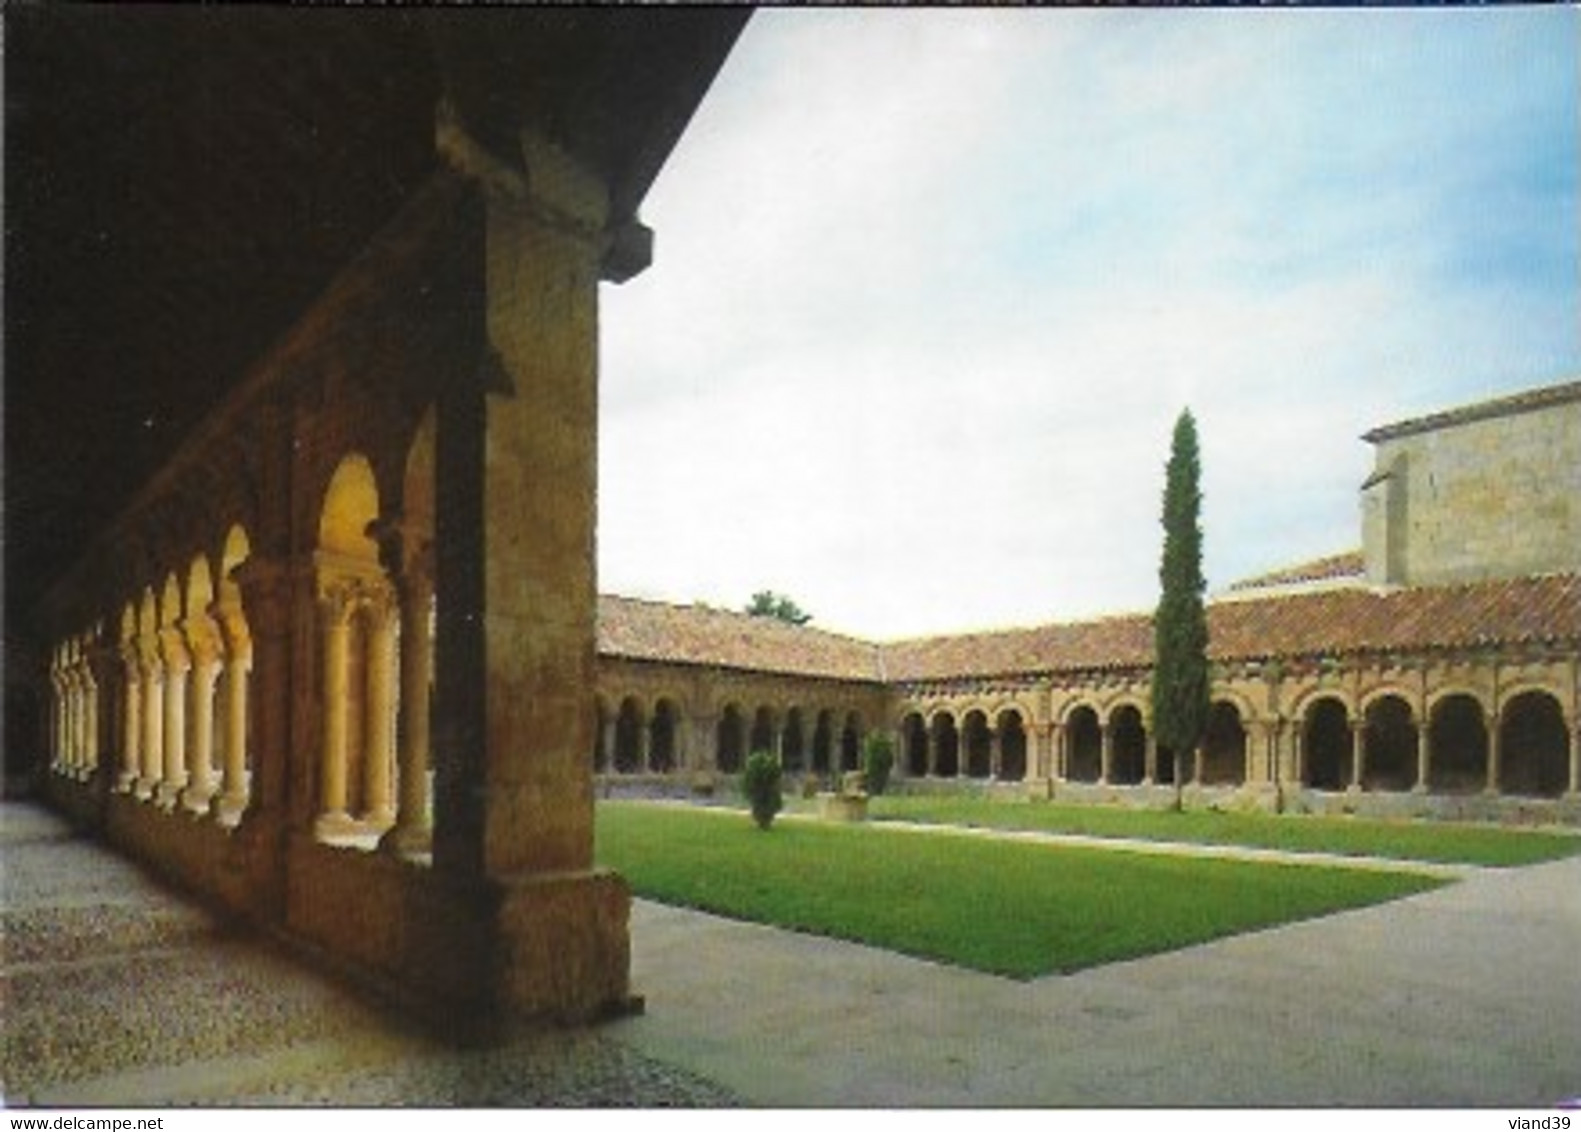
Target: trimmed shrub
<point>760,782</point>
<point>878,759</point>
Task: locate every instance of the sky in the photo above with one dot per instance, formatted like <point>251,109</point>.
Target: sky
<point>931,287</point>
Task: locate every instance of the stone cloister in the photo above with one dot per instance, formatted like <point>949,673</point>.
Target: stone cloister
<point>329,668</point>
<point>1469,709</point>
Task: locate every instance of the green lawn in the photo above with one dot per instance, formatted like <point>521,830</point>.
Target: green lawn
<point>1400,840</point>
<point>1005,907</point>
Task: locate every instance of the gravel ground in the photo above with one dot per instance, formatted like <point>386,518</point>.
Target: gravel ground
<point>116,992</point>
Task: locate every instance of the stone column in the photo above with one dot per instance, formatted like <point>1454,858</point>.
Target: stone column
<point>228,805</point>
<point>1495,756</point>
<point>1424,756</point>
<point>336,607</point>
<point>178,664</point>
<point>153,716</point>
<point>1575,758</point>
<point>1106,755</point>
<point>1358,753</point>
<point>413,831</point>
<point>205,651</point>
<point>996,753</point>
<point>132,724</point>
<point>930,740</point>
<point>379,710</point>
<point>1149,757</point>
<point>1061,755</point>
<point>606,742</point>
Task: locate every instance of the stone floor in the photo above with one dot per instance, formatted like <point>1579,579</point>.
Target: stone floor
<point>117,992</point>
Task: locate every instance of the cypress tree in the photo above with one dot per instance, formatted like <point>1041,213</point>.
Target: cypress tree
<point>1180,626</point>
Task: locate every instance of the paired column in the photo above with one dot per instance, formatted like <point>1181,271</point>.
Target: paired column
<point>204,648</point>
<point>1495,755</point>
<point>1106,753</point>
<point>379,709</point>
<point>231,800</point>
<point>153,744</point>
<point>1358,752</point>
<point>413,830</point>
<point>336,605</point>
<point>132,717</point>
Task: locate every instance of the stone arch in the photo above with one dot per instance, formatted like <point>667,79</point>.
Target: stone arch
<point>1457,736</point>
<point>1534,745</point>
<point>350,507</point>
<point>1391,735</point>
<point>823,743</point>
<point>1326,744</point>
<point>762,738</point>
<point>1083,744</point>
<point>1011,725</point>
<point>914,744</point>
<point>976,745</point>
<point>1224,745</point>
<point>662,730</point>
<point>946,745</point>
<point>851,742</point>
<point>629,726</point>
<point>729,740</point>
<point>1128,744</point>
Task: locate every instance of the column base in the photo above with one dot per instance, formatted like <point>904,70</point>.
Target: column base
<point>335,824</point>
<point>126,782</point>
<point>197,799</point>
<point>407,841</point>
<point>143,789</point>
<point>168,794</point>
<point>227,809</point>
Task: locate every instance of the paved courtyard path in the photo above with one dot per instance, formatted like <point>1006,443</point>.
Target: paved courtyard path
<point>117,992</point>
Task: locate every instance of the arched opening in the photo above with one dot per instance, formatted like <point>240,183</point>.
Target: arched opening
<point>729,740</point>
<point>1224,746</point>
<point>661,738</point>
<point>793,744</point>
<point>357,628</point>
<point>978,744</point>
<point>628,737</point>
<point>1457,739</point>
<point>762,731</point>
<point>1534,747</point>
<point>1128,740</point>
<point>1012,746</point>
<point>1083,745</point>
<point>946,746</point>
<point>823,744</point>
<point>914,735</point>
<point>1326,745</point>
<point>851,742</point>
<point>1391,740</point>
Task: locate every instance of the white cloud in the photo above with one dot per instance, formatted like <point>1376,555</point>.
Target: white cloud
<point>931,288</point>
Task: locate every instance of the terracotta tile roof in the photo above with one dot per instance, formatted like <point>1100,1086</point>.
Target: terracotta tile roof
<point>1482,410</point>
<point>701,635</point>
<point>1329,622</point>
<point>1351,564</point>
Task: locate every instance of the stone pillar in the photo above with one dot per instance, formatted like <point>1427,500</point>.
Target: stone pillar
<point>606,742</point>
<point>178,665</point>
<point>228,805</point>
<point>515,474</point>
<point>931,743</point>
<point>1358,753</point>
<point>153,716</point>
<point>996,753</point>
<point>379,710</point>
<point>1495,756</point>
<point>1061,755</point>
<point>336,607</point>
<point>1149,758</point>
<point>413,831</point>
<point>132,724</point>
<point>1424,756</point>
<point>1106,756</point>
<point>1575,758</point>
<point>205,651</point>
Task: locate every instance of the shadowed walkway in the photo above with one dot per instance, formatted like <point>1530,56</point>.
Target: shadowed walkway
<point>116,992</point>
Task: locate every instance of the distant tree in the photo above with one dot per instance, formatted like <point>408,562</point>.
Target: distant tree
<point>767,603</point>
<point>760,782</point>
<point>878,760</point>
<point>1180,627</point>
